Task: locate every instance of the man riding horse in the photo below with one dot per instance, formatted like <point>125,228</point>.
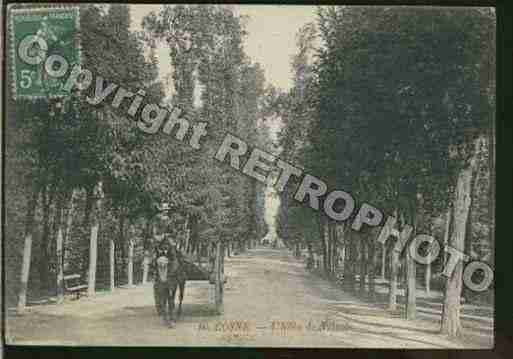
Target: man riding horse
<point>169,275</point>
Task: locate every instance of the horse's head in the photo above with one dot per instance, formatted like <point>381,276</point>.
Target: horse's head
<point>162,265</point>
<point>166,256</point>
<point>163,248</point>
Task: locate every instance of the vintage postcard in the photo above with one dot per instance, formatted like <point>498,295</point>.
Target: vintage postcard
<point>249,176</point>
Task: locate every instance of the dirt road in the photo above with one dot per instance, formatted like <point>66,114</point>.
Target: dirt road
<point>270,300</point>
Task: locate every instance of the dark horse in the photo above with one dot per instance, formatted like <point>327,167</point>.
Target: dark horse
<point>169,275</point>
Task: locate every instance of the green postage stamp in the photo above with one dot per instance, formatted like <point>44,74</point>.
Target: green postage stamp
<point>40,40</point>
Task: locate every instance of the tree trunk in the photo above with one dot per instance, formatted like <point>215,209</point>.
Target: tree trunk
<point>372,268</point>
<point>121,271</point>
<point>324,250</point>
<point>122,243</point>
<point>193,235</point>
<point>219,278</point>
<point>93,241</point>
<point>297,250</point>
<point>112,264</point>
<point>130,266</point>
<point>469,240</point>
<point>392,293</point>
<point>152,228</point>
<point>411,308</point>
<point>59,249</point>
<point>201,249</point>
<point>25,267</point>
<point>44,259</point>
<point>427,274</point>
<point>383,260</point>
<point>327,245</point>
<point>69,220</point>
<point>146,265</point>
<point>86,226</point>
<point>93,252</point>
<point>348,261</point>
<point>363,265</point>
<point>341,241</point>
<point>446,234</point>
<point>451,324</point>
<point>411,276</point>
<point>310,262</point>
<point>343,259</point>
<point>334,240</point>
<point>187,235</point>
<point>88,207</point>
<point>148,249</point>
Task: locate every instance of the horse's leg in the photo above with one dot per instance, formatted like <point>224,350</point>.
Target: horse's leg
<point>171,305</point>
<point>163,294</point>
<point>157,300</point>
<point>182,290</point>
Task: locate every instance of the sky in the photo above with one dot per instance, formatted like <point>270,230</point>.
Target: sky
<point>271,39</point>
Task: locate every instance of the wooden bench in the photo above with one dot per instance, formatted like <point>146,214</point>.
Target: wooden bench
<point>72,284</point>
